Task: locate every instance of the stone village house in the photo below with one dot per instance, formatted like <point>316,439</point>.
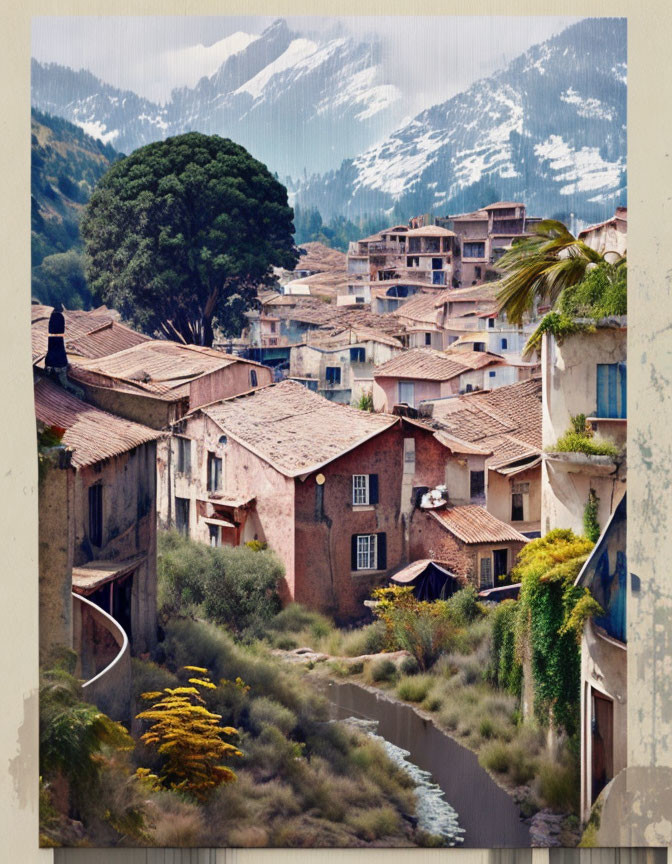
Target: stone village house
<point>97,535</point>
<point>331,489</point>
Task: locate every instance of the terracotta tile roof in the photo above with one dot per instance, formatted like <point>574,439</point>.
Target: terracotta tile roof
<point>474,216</point>
<point>350,336</point>
<point>327,284</point>
<point>321,258</point>
<point>473,524</point>
<point>93,434</point>
<point>421,307</point>
<point>77,324</point>
<point>310,310</point>
<point>503,205</point>
<point>424,364</point>
<point>108,339</point>
<point>294,430</point>
<point>160,368</point>
<point>506,421</point>
<point>473,294</point>
<point>430,231</point>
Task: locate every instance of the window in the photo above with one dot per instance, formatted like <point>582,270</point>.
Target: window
<point>468,388</point>
<point>407,393</point>
<point>479,346</point>
<point>333,374</point>
<point>486,573</point>
<point>412,261</point>
<point>504,344</point>
<point>428,338</point>
<point>473,250</point>
<point>500,558</point>
<point>357,355</point>
<point>182,515</point>
<point>96,514</point>
<point>477,272</point>
<point>369,552</point>
<point>253,378</point>
<point>364,488</point>
<point>214,473</point>
<point>477,484</point>
<point>359,299</point>
<point>491,322</point>
<point>409,455</point>
<point>184,456</point>
<point>492,373</point>
<point>437,263</point>
<point>520,497</point>
<point>612,390</point>
<point>438,277</point>
<point>272,326</point>
<point>215,533</point>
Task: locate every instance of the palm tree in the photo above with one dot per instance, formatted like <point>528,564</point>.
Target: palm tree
<point>539,268</point>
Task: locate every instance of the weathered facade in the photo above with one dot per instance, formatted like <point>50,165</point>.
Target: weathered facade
<point>585,375</point>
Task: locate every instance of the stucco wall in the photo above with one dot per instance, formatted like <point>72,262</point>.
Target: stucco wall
<point>565,489</point>
<point>56,496</point>
<point>226,382</point>
<point>155,413</point>
<point>129,528</point>
<point>604,668</point>
<point>386,391</point>
<point>499,494</point>
<point>327,519</point>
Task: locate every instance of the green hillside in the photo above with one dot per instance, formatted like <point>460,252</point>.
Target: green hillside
<point>66,163</point>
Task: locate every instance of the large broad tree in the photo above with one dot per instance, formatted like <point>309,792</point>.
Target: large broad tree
<point>181,233</point>
<point>540,266</point>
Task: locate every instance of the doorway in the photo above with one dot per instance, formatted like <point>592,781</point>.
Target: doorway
<point>602,742</point>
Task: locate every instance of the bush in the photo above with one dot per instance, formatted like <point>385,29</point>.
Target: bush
<point>506,671</point>
<point>573,442</point>
<point>382,670</point>
<point>464,605</point>
<point>559,784</point>
<point>511,759</point>
<point>267,712</point>
<point>409,666</point>
<point>375,823</point>
<point>364,640</point>
<point>416,688</point>
<point>294,618</point>
<point>236,587</point>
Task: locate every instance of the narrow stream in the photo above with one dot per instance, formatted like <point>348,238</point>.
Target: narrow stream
<point>486,814</point>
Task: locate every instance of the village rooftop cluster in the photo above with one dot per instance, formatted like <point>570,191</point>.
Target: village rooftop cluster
<point>451,470</point>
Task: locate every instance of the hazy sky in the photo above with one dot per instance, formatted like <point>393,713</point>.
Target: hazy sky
<point>429,58</point>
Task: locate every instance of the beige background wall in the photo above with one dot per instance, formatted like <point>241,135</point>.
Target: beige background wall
<point>650,348</point>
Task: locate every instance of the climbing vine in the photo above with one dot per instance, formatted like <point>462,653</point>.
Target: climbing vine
<point>560,325</point>
<point>591,527</point>
<point>546,621</point>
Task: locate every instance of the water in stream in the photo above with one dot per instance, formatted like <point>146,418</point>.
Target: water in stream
<point>488,817</point>
<point>435,815</point>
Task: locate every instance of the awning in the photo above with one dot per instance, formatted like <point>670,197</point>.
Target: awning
<point>518,469</point>
<point>222,522</point>
<point>89,577</point>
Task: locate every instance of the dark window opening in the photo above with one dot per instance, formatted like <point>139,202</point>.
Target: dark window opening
<point>184,456</point>
<point>357,355</point>
<point>253,378</point>
<point>492,373</point>
<point>333,374</point>
<point>477,272</point>
<point>505,344</point>
<point>437,263</point>
<point>491,322</point>
<point>428,338</point>
<point>517,507</point>
<point>182,515</point>
<point>473,250</point>
<point>214,473</point>
<point>477,483</point>
<point>96,514</point>
<point>479,346</point>
<point>215,535</point>
<point>500,561</point>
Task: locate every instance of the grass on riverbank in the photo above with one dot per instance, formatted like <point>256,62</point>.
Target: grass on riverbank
<point>457,691</point>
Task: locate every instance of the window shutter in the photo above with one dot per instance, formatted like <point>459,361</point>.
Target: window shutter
<point>381,551</point>
<point>622,368</point>
<point>373,488</point>
<point>353,552</point>
<point>602,395</point>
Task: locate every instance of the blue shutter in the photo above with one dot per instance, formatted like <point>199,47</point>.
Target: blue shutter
<point>622,368</point>
<point>602,392</point>
<point>613,390</point>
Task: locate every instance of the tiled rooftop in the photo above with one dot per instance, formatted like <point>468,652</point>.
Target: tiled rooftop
<point>78,323</point>
<point>473,524</point>
<point>320,258</point>
<point>93,434</point>
<point>421,307</point>
<point>160,368</point>
<point>426,364</point>
<point>294,430</point>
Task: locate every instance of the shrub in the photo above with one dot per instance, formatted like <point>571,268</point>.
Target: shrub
<point>559,784</point>
<point>294,618</point>
<point>375,823</point>
<point>573,442</point>
<point>382,670</point>
<point>591,527</point>
<point>423,629</point>
<point>432,703</point>
<point>495,757</point>
<point>464,605</point>
<point>415,688</point>
<point>409,666</point>
<point>236,587</point>
<point>268,712</point>
<point>364,640</point>
<point>506,670</point>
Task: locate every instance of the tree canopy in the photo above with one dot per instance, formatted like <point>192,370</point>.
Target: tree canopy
<point>181,233</point>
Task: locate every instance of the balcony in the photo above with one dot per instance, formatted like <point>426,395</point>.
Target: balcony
<point>104,658</point>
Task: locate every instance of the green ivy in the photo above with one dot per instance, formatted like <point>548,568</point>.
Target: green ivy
<point>506,669</point>
<point>547,569</point>
<point>591,527</point>
<point>560,325</point>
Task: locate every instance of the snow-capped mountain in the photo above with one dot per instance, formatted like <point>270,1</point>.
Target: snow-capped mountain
<point>298,104</point>
<point>549,130</point>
